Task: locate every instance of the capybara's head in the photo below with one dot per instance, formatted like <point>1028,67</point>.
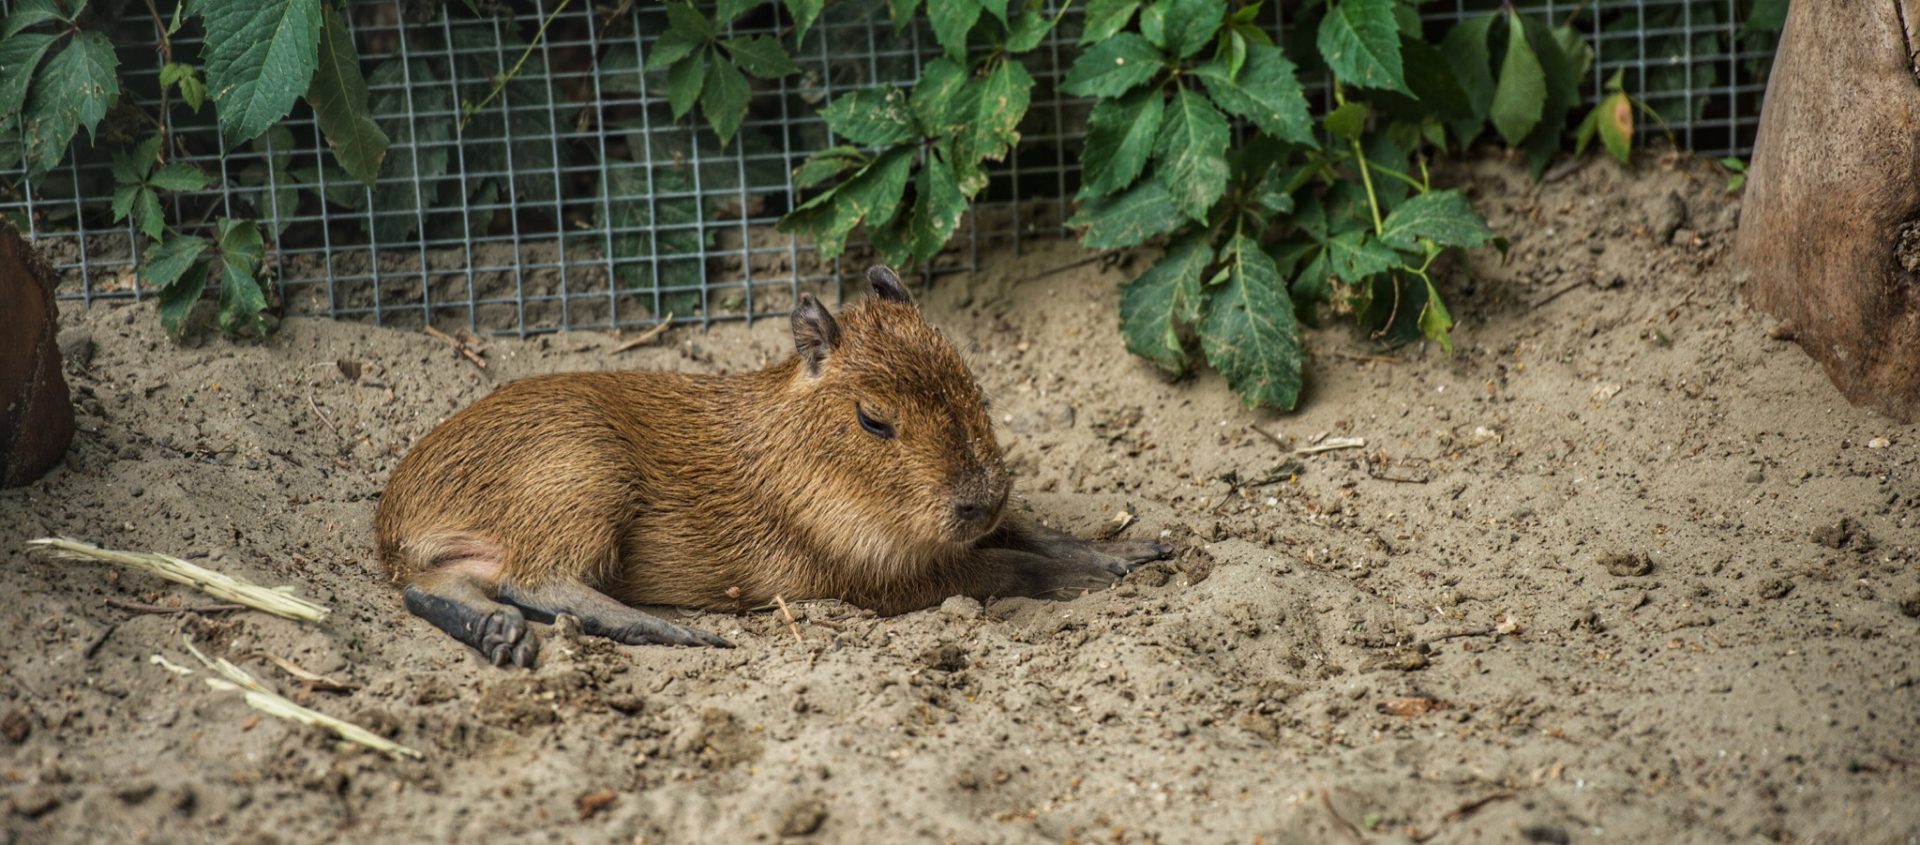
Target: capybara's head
<point>898,437</point>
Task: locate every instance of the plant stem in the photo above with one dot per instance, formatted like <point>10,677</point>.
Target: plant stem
<point>1366,176</point>
<point>500,82</point>
<point>1398,175</point>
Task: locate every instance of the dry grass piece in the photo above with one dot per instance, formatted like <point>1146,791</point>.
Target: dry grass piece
<point>273,704</point>
<point>278,601</point>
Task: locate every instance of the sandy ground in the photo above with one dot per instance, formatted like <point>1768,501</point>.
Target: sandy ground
<point>1622,568</point>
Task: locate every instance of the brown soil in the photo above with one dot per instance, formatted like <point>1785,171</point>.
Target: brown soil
<point>1621,568</point>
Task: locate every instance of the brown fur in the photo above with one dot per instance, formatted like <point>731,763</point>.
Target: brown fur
<point>719,491</point>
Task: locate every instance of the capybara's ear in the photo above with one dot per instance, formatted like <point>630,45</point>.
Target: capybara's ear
<point>815,334</point>
<point>886,284</point>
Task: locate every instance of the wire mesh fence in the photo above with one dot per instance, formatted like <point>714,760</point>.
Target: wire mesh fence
<point>575,201</point>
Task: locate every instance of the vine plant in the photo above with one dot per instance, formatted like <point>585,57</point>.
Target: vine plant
<point>1200,144</point>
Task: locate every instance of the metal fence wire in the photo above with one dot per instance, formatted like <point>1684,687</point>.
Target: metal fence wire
<point>575,201</point>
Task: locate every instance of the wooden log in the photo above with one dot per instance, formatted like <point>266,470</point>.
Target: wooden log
<point>1830,225</point>
<point>36,411</point>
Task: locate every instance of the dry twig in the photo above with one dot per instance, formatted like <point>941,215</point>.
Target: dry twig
<point>138,607</point>
<point>278,601</point>
<point>648,336</point>
<point>1332,443</point>
<point>781,602</point>
<point>460,345</point>
<point>273,704</point>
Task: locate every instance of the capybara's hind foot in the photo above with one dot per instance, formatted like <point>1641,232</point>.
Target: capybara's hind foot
<point>601,615</point>
<point>506,639</point>
<point>1130,555</point>
<point>457,604</point>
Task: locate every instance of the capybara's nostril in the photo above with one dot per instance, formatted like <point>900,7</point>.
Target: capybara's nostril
<point>970,511</point>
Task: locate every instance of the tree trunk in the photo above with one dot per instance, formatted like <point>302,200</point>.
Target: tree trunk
<point>1830,225</point>
<point>36,413</point>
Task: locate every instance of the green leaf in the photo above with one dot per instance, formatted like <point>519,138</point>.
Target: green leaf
<point>147,216</point>
<point>1029,29</point>
<point>996,8</point>
<point>1615,122</point>
<point>1466,50</point>
<point>873,193</point>
<point>1565,57</point>
<point>724,100</point>
<point>951,21</point>
<point>902,13</point>
<point>123,196</point>
<point>166,264</point>
<point>338,95</point>
<point>1444,217</point>
<point>193,92</point>
<point>179,176</point>
<point>1265,92</point>
<point>684,81</point>
<point>825,165</point>
<point>1153,24</point>
<point>1522,91</point>
<point>1765,16</point>
<point>1347,121</point>
<point>1145,210</point>
<point>1120,137</point>
<point>1003,100</point>
<point>19,56</point>
<point>74,89</point>
<point>28,13</point>
<point>1356,254</point>
<point>876,197</point>
<point>1435,322</point>
<point>1361,44</point>
<point>177,300</point>
<point>1190,24</point>
<point>934,97</point>
<point>937,208</point>
<point>1250,333</point>
<point>1105,19</point>
<point>1168,295</point>
<point>761,56</point>
<point>873,117</point>
<point>682,17</point>
<point>804,13</point>
<point>1191,153</point>
<point>674,45</point>
<point>259,55</point>
<point>730,9</point>
<point>241,296</point>
<point>1113,67</point>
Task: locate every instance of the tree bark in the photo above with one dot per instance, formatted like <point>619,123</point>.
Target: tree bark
<point>1830,225</point>
<point>36,412</point>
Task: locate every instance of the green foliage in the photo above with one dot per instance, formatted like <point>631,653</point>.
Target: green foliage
<point>1611,120</point>
<point>52,83</point>
<point>180,266</point>
<point>932,140</point>
<point>1736,173</point>
<point>1264,231</point>
<point>260,57</point>
<point>1200,138</point>
<point>339,97</point>
<point>706,68</point>
<point>136,180</point>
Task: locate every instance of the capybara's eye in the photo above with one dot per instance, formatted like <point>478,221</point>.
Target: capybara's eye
<point>879,429</point>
